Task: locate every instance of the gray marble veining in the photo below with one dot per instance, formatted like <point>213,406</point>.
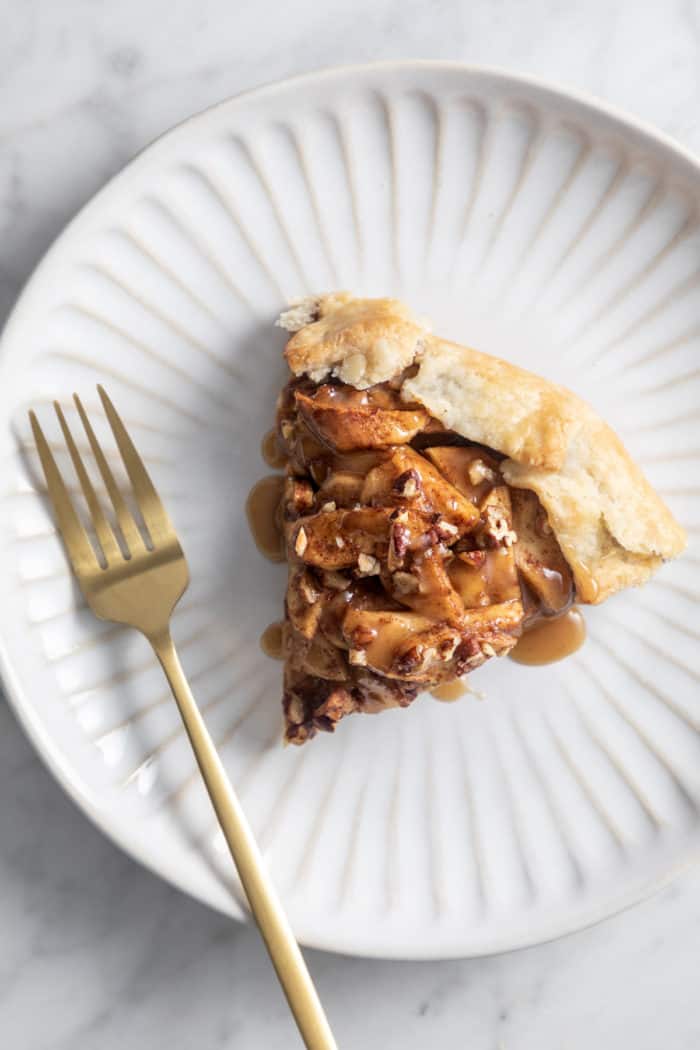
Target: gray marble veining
<point>100,954</point>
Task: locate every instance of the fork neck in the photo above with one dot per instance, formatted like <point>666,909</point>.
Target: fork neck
<point>162,641</point>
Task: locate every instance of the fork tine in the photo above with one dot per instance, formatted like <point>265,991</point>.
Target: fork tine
<point>108,543</point>
<point>75,538</point>
<point>130,532</point>
<point>150,505</point>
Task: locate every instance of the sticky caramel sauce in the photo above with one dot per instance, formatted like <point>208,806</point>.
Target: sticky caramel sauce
<point>587,585</point>
<point>558,590</point>
<point>448,692</point>
<point>272,642</point>
<point>271,451</point>
<point>545,640</point>
<point>550,640</point>
<point>262,508</point>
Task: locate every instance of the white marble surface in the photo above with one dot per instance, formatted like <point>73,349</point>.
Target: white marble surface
<point>94,952</point>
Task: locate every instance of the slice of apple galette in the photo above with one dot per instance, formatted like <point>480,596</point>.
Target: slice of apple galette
<point>438,503</point>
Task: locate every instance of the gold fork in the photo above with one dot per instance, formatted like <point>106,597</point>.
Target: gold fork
<point>138,584</point>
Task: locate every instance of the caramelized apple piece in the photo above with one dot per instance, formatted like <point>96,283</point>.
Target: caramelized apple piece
<point>342,487</point>
<point>426,588</point>
<point>491,630</point>
<point>335,539</point>
<point>359,594</point>
<point>347,419</point>
<point>500,617</point>
<point>538,555</point>
<point>407,478</point>
<point>318,656</point>
<point>301,447</point>
<point>409,646</point>
<point>470,468</point>
<point>398,644</point>
<point>358,462</point>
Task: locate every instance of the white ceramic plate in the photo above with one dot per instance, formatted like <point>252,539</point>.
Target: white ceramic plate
<point>525,222</point>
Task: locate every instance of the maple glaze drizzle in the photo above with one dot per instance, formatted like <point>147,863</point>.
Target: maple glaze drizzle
<point>448,692</point>
<point>271,451</point>
<point>271,641</point>
<point>551,640</point>
<point>262,508</point>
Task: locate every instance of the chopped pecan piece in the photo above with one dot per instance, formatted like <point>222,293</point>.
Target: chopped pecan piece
<point>298,497</point>
<point>407,484</point>
<point>368,565</point>
<point>301,542</point>
<point>497,516</point>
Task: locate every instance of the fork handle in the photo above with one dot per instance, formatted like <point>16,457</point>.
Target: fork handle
<point>262,897</point>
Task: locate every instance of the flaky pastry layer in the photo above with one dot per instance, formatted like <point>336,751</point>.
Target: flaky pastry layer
<point>613,528</point>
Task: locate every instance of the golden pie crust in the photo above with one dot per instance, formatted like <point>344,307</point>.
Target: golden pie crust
<point>612,527</point>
